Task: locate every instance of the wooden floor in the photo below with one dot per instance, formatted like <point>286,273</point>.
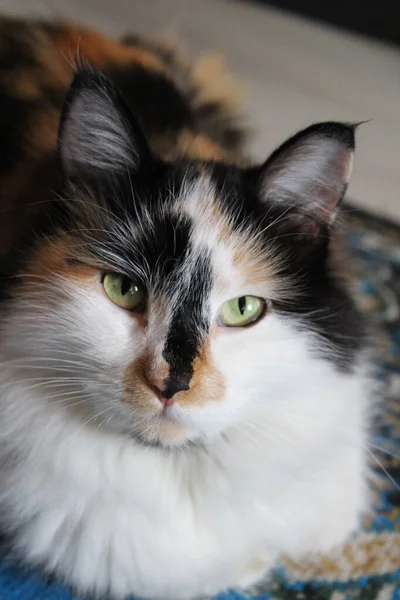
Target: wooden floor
<point>296,72</point>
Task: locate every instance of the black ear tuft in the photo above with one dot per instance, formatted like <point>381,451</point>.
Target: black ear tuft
<point>309,173</point>
<point>98,134</point>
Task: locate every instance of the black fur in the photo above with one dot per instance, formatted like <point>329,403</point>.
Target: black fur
<point>155,100</point>
<point>15,120</point>
<point>189,327</point>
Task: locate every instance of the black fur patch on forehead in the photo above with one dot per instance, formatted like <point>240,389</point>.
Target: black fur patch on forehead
<point>130,224</point>
<point>189,324</point>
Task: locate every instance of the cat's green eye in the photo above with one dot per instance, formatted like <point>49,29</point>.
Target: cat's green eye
<point>124,292</point>
<point>242,311</point>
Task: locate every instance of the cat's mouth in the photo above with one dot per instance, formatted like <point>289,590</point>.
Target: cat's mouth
<point>155,422</point>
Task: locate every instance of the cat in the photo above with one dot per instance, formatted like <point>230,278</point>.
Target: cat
<point>184,375</point>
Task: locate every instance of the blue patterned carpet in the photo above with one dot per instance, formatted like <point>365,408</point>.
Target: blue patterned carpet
<point>368,567</point>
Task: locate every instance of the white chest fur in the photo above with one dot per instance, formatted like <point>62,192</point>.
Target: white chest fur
<point>108,514</point>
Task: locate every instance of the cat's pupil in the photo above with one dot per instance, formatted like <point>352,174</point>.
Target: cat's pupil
<point>242,304</point>
<point>125,286</point>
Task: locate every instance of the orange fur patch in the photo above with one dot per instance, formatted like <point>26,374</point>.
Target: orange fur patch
<point>22,84</point>
<point>199,146</point>
<point>192,145</point>
<point>43,138</point>
<point>215,84</point>
<point>207,383</point>
<point>56,257</point>
<point>80,44</point>
<point>253,267</point>
<point>137,392</point>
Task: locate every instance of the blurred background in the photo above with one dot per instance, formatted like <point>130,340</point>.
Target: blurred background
<point>299,60</point>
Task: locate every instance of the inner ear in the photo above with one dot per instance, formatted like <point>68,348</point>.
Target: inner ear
<point>308,175</point>
<point>98,133</point>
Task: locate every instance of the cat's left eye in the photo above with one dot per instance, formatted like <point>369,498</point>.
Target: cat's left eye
<point>242,311</point>
<point>124,292</point>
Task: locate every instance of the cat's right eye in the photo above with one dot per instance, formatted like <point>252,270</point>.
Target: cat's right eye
<point>124,292</point>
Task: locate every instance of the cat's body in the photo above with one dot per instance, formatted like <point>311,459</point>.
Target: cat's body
<point>154,451</point>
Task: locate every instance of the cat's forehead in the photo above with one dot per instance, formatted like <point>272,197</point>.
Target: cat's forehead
<point>200,203</point>
<point>181,228</point>
<point>206,212</point>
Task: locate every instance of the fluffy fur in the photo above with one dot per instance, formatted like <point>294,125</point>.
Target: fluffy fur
<point>262,451</point>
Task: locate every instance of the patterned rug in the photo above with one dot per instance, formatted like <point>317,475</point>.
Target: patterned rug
<point>368,567</point>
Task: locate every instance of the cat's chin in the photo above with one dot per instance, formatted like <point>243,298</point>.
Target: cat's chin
<point>167,434</point>
<point>167,445</point>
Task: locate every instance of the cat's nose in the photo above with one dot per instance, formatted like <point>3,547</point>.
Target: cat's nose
<point>174,386</point>
<point>166,392</point>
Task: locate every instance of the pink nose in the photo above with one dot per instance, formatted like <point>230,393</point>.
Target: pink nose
<point>157,385</point>
<point>166,393</point>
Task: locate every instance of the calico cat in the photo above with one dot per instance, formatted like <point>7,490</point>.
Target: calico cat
<point>183,371</point>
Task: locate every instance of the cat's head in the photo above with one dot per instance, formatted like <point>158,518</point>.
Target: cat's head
<point>166,301</point>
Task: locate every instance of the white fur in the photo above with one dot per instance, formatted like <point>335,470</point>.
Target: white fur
<point>109,514</point>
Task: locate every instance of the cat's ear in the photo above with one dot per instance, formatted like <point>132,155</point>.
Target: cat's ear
<point>309,173</point>
<point>98,135</point>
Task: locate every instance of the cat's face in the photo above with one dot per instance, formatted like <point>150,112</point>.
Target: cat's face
<point>171,302</point>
